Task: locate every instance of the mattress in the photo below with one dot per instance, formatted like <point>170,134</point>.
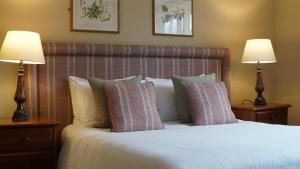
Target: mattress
<point>243,145</point>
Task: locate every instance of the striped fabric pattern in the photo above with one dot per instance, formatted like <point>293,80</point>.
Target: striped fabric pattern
<point>182,107</point>
<point>209,104</point>
<point>47,87</point>
<point>100,99</point>
<point>132,107</point>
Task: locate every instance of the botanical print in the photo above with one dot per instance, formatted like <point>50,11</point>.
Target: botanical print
<point>95,15</point>
<point>96,10</point>
<point>173,17</point>
<point>169,15</point>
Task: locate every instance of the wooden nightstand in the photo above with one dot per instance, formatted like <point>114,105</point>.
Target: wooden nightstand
<point>28,145</point>
<point>272,113</point>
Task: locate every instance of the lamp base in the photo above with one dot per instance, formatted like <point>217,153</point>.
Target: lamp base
<point>260,100</point>
<point>20,98</point>
<point>20,114</point>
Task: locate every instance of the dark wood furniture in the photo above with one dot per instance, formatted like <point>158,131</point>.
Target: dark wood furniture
<point>272,113</point>
<point>28,144</point>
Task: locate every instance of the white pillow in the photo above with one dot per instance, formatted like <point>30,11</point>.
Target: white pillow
<point>82,102</point>
<point>165,98</point>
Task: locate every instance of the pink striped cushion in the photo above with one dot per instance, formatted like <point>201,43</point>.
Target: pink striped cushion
<point>209,104</point>
<point>132,107</point>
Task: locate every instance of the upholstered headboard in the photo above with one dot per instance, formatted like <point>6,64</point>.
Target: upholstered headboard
<point>47,85</point>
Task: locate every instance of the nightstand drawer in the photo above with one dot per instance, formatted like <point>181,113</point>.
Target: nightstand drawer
<point>273,117</point>
<point>36,161</point>
<point>272,113</point>
<point>26,139</point>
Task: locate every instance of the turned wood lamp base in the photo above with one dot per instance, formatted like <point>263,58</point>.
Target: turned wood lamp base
<point>20,98</point>
<point>260,100</point>
<point>20,115</point>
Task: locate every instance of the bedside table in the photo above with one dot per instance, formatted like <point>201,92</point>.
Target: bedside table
<point>28,145</point>
<point>272,113</point>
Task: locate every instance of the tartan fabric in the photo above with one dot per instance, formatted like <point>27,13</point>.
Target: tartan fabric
<point>132,107</point>
<point>209,104</point>
<point>47,85</point>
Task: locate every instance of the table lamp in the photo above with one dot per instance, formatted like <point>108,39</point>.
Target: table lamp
<point>259,51</point>
<point>21,47</point>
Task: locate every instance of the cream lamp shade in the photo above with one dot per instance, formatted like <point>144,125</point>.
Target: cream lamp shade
<point>258,51</point>
<point>22,46</point>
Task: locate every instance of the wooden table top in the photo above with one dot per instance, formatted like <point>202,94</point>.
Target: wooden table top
<point>5,122</point>
<point>268,106</point>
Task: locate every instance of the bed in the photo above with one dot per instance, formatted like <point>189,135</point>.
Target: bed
<point>243,145</point>
<point>227,146</point>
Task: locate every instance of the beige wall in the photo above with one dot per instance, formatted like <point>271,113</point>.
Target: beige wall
<point>288,54</point>
<point>217,23</point>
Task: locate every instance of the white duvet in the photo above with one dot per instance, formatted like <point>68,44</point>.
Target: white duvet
<point>244,145</point>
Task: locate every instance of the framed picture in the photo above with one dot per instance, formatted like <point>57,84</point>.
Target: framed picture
<point>173,17</point>
<point>95,15</point>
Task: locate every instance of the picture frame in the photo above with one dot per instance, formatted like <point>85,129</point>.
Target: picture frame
<point>172,17</point>
<point>95,16</point>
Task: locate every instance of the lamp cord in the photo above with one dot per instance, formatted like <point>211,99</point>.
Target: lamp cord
<point>247,102</point>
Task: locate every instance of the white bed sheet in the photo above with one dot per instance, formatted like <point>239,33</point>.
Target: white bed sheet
<point>244,145</point>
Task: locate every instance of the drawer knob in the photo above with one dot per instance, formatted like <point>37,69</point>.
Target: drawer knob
<point>28,139</point>
<point>273,117</point>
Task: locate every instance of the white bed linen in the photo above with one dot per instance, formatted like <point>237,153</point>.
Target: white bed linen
<point>244,145</point>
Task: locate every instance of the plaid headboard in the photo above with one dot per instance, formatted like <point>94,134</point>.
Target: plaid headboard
<point>47,85</point>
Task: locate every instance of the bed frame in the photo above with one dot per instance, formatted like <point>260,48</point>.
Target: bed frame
<point>47,85</point>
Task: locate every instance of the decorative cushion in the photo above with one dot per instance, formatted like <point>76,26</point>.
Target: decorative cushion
<point>165,98</point>
<point>209,104</point>
<point>132,107</point>
<point>182,108</point>
<point>100,99</point>
<point>82,102</point>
